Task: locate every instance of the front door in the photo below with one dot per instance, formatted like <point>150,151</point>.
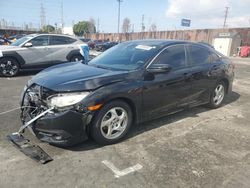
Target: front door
<point>167,91</point>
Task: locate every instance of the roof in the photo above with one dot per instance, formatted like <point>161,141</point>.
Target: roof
<point>50,34</point>
<point>164,43</point>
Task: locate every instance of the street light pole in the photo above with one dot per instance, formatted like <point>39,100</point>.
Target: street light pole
<point>119,10</point>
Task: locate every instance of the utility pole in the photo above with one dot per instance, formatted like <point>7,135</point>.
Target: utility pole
<point>98,25</point>
<point>225,19</point>
<point>119,11</point>
<point>42,16</point>
<point>142,23</point>
<point>62,20</point>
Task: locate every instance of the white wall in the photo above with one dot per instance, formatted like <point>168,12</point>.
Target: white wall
<point>68,31</point>
<point>223,45</point>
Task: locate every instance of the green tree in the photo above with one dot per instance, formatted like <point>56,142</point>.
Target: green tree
<point>48,29</point>
<point>84,27</point>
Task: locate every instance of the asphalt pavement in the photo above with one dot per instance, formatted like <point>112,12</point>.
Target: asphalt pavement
<point>198,147</point>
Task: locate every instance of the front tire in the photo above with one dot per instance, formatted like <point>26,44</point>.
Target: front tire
<point>111,123</point>
<point>9,67</point>
<point>218,95</point>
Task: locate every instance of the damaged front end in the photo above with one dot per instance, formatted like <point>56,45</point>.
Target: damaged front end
<point>60,126</point>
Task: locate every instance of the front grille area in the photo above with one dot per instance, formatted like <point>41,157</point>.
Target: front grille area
<point>34,101</point>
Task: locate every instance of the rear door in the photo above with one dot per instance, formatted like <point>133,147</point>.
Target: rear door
<point>60,47</point>
<point>204,64</point>
<point>167,91</point>
<point>36,54</point>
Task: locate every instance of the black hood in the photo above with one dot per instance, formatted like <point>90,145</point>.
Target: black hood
<point>76,77</point>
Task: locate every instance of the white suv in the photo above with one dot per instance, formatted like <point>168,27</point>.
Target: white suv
<point>40,51</point>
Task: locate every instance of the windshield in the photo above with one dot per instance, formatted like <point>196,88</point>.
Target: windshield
<point>20,41</point>
<point>125,56</point>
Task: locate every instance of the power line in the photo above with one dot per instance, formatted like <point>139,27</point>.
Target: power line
<point>225,19</point>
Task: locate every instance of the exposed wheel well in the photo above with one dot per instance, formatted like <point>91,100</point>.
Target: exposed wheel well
<point>226,83</point>
<point>11,58</point>
<point>77,54</point>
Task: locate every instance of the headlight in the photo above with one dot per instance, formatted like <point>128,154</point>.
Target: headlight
<point>66,99</point>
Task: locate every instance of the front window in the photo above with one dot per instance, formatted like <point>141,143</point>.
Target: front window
<point>20,41</point>
<point>173,56</point>
<point>126,56</point>
<point>40,41</point>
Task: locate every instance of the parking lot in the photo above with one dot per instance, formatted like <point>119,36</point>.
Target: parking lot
<point>194,148</point>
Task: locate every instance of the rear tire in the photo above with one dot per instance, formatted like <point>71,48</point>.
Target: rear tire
<point>76,58</point>
<point>217,95</point>
<point>9,67</point>
<point>111,123</point>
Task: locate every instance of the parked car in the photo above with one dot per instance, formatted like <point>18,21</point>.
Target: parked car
<point>4,41</point>
<point>84,39</point>
<point>93,43</point>
<point>244,51</point>
<point>15,37</point>
<point>132,82</point>
<point>104,46</point>
<point>39,51</point>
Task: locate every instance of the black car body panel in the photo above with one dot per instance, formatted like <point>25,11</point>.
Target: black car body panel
<point>64,128</point>
<point>150,95</point>
<point>76,77</point>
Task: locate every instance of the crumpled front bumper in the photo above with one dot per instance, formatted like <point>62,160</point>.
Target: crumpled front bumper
<point>63,128</point>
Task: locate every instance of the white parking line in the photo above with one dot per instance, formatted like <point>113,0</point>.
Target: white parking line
<point>119,173</point>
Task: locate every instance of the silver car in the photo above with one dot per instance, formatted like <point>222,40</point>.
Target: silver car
<point>40,51</point>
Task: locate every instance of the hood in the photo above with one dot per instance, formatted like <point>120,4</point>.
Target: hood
<point>76,77</point>
<point>7,47</point>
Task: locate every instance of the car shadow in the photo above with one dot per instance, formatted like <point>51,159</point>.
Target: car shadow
<point>156,123</point>
<point>28,73</point>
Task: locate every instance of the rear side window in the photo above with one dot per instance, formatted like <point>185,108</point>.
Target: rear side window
<point>198,55</point>
<point>173,56</point>
<point>40,41</point>
<point>60,40</point>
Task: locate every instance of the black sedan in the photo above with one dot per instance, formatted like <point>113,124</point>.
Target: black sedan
<point>132,82</point>
<point>104,46</point>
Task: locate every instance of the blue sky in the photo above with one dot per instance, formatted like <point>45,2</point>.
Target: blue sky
<point>166,14</point>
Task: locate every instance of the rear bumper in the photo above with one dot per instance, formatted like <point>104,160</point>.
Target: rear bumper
<point>64,128</point>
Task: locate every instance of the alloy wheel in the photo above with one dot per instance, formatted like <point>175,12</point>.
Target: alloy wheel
<point>8,68</point>
<point>219,94</point>
<point>114,123</point>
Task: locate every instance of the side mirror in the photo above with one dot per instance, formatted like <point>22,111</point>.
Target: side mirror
<point>28,44</point>
<point>158,68</point>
